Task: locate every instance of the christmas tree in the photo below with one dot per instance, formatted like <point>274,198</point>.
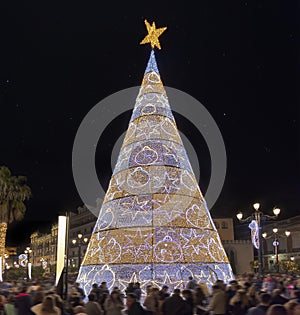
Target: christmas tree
<point>154,226</point>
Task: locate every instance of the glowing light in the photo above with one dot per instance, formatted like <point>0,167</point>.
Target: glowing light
<point>276,211</point>
<point>154,226</point>
<point>254,233</point>
<point>153,34</point>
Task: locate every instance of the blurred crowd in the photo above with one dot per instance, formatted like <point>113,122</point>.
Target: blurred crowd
<point>247,295</point>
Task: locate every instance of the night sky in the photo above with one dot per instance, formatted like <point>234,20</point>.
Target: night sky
<point>240,59</point>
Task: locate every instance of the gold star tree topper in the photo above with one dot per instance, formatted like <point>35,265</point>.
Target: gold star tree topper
<point>153,34</point>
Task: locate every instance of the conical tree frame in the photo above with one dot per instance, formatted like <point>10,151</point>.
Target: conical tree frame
<point>154,226</point>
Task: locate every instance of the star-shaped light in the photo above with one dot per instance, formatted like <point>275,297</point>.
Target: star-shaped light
<point>153,34</point>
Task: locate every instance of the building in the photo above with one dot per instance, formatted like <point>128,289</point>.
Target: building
<point>44,245</point>
<point>233,247</point>
<point>278,247</point>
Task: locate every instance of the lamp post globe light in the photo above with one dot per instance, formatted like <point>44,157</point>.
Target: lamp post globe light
<point>276,237</point>
<point>80,241</point>
<point>256,219</point>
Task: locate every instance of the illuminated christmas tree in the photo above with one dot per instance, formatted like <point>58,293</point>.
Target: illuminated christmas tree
<point>154,226</point>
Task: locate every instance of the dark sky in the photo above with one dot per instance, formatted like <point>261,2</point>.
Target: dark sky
<point>240,59</point>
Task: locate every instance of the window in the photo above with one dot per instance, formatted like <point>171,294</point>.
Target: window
<point>224,225</point>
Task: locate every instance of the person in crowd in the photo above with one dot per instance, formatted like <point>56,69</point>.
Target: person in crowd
<point>290,307</point>
<point>2,303</point>
<point>297,309</point>
<point>263,305</point>
<point>188,302</point>
<point>97,292</point>
<point>278,298</point>
<point>137,290</point>
<point>130,288</point>
<point>151,302</point>
<point>105,293</point>
<point>277,309</point>
<point>133,305</point>
<point>200,300</point>
<point>47,307</point>
<point>239,303</point>
<point>9,307</point>
<point>217,303</point>
<point>191,285</point>
<point>163,293</point>
<point>114,304</point>
<point>232,289</point>
<point>222,285</point>
<point>79,310</point>
<point>80,290</point>
<point>252,296</point>
<point>57,300</point>
<point>269,284</point>
<point>173,305</point>
<point>296,296</point>
<point>23,302</point>
<point>38,297</point>
<point>92,307</point>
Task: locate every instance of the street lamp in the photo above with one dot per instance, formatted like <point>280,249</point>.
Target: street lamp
<point>255,220</point>
<point>80,241</point>
<point>276,236</point>
<point>28,251</point>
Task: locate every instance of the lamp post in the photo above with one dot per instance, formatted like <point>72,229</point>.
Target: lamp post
<point>80,241</point>
<point>28,251</point>
<point>255,225</point>
<point>276,237</point>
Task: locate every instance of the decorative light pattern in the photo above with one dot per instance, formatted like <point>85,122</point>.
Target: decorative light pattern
<point>154,226</point>
<point>254,233</point>
<point>153,34</point>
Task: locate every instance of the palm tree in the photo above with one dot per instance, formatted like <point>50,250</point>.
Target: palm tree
<point>13,193</point>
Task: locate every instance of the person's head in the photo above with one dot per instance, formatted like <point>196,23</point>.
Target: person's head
<point>137,285</point>
<point>176,292</point>
<point>48,304</point>
<point>221,284</point>
<point>115,294</point>
<point>23,289</point>
<point>91,297</point>
<point>187,294</point>
<point>38,297</point>
<point>190,278</point>
<point>233,285</point>
<point>154,291</point>
<point>265,298</point>
<point>131,297</point>
<point>94,285</point>
<point>277,309</point>
<point>215,288</point>
<point>165,288</point>
<point>277,291</point>
<point>148,288</point>
<point>297,309</point>
<point>103,284</point>
<point>11,299</point>
<point>296,294</point>
<point>290,307</point>
<point>79,309</point>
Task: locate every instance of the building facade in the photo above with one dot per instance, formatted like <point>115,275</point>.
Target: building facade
<point>44,246</point>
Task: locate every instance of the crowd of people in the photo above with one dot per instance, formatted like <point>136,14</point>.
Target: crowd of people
<point>247,295</point>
